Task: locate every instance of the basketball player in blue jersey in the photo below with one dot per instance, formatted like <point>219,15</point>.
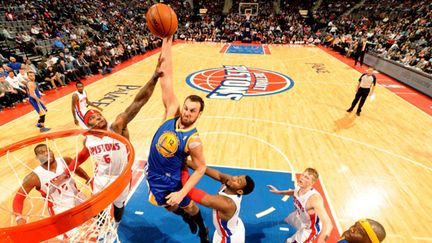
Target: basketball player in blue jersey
<point>35,100</point>
<point>364,231</point>
<point>173,142</point>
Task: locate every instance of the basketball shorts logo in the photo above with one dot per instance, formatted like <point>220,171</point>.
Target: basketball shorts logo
<point>167,144</point>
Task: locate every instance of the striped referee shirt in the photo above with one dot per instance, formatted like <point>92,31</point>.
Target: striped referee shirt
<point>366,81</point>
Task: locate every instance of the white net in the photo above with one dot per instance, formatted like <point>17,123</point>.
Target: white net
<point>53,196</point>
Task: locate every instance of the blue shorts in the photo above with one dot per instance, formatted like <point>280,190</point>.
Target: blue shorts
<point>161,186</point>
<point>39,107</point>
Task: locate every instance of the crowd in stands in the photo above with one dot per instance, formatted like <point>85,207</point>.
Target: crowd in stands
<point>75,39</point>
<point>397,30</point>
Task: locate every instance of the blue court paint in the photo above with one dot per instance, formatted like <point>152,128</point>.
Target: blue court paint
<point>158,225</point>
<point>244,49</point>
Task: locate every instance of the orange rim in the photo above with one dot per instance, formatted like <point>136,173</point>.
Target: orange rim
<point>50,227</point>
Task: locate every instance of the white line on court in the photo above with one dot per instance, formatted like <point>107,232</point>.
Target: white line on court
<point>262,141</point>
<point>326,133</point>
<point>285,198</point>
<point>265,212</point>
<point>283,229</point>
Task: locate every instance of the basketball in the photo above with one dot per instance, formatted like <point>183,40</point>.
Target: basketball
<point>161,20</point>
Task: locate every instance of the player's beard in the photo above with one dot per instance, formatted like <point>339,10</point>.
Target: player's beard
<point>227,185</point>
<point>48,159</point>
<point>99,124</point>
<point>187,122</point>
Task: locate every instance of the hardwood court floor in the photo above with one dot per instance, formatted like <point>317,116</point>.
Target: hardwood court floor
<point>377,165</point>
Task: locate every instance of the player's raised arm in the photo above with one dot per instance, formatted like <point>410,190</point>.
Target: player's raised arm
<point>274,190</point>
<point>172,106</point>
<point>140,100</point>
<point>215,174</point>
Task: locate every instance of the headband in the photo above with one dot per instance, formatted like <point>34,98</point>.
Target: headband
<point>369,231</point>
<point>88,114</point>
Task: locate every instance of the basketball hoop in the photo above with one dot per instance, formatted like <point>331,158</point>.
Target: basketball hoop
<point>82,214</point>
<point>248,8</point>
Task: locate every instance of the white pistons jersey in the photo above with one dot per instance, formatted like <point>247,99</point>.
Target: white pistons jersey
<point>233,229</point>
<point>81,108</point>
<point>61,197</point>
<point>308,221</point>
<point>109,154</point>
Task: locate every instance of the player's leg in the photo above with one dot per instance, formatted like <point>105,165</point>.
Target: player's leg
<point>364,95</point>
<point>185,216</point>
<point>193,210</point>
<point>41,110</point>
<point>157,197</point>
<point>354,103</point>
<point>80,119</point>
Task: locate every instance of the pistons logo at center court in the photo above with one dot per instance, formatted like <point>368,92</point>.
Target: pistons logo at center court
<point>234,82</point>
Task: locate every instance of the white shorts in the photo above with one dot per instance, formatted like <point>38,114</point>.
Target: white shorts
<point>303,233</point>
<point>237,237</point>
<point>101,182</point>
<point>80,121</point>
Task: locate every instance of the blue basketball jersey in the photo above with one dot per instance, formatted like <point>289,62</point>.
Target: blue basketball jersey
<point>167,150</point>
<point>37,93</point>
<point>39,107</point>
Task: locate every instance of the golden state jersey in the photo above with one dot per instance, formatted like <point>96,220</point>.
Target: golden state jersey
<point>167,150</point>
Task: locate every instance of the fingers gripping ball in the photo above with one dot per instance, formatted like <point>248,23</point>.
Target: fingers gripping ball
<point>161,20</point>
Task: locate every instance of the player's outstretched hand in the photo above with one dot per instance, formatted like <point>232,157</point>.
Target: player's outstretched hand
<point>174,198</point>
<point>273,189</point>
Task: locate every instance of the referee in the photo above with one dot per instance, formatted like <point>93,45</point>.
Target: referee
<point>366,82</point>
